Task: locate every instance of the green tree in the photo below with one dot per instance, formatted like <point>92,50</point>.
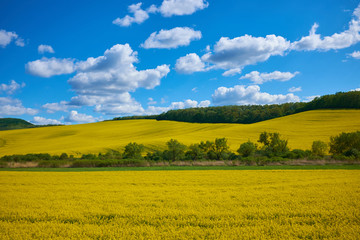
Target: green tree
<point>347,144</point>
<point>133,151</point>
<point>319,148</point>
<point>195,152</point>
<point>273,144</point>
<point>221,149</point>
<point>247,149</point>
<point>176,150</point>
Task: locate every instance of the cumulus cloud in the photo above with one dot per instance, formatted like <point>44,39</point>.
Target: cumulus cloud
<point>341,40</point>
<point>11,87</point>
<point>44,121</point>
<point>245,50</point>
<point>170,8</point>
<point>48,67</point>
<point>232,72</point>
<point>310,98</point>
<point>20,42</point>
<point>139,16</point>
<point>74,116</point>
<point>242,95</point>
<point>189,64</point>
<point>173,38</point>
<point>355,54</point>
<point>105,81</point>
<point>45,49</point>
<point>151,101</point>
<point>14,107</point>
<point>114,73</point>
<point>260,78</point>
<point>356,89</point>
<point>167,8</point>
<point>7,37</point>
<point>62,106</point>
<point>295,89</point>
<point>151,110</point>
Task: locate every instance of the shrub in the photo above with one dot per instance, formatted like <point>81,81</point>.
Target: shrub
<point>319,148</point>
<point>133,150</point>
<point>3,164</point>
<point>345,143</point>
<point>247,149</point>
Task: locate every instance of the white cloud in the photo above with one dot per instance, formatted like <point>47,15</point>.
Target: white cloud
<point>310,98</point>
<point>103,82</point>
<point>245,50</point>
<point>355,54</point>
<point>11,87</point>
<point>44,121</point>
<point>7,37</point>
<point>139,16</point>
<point>62,106</point>
<point>20,42</point>
<point>260,78</point>
<point>354,90</point>
<point>74,116</point>
<point>114,73</point>
<point>189,64</point>
<point>169,8</point>
<point>205,103</point>
<point>151,110</point>
<point>14,107</point>
<point>173,38</point>
<point>48,67</point>
<point>341,40</point>
<point>195,90</point>
<point>151,101</point>
<point>242,95</point>
<point>45,48</point>
<point>232,72</point>
<point>295,89</point>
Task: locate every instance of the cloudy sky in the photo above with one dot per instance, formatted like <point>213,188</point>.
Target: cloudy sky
<point>84,61</point>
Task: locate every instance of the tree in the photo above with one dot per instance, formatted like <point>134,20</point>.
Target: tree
<point>175,150</point>
<point>220,148</point>
<point>319,148</point>
<point>273,144</point>
<point>347,144</point>
<point>133,151</point>
<point>195,152</point>
<point>247,149</point>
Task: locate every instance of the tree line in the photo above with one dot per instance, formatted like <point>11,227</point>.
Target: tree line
<point>255,113</point>
<point>270,147</point>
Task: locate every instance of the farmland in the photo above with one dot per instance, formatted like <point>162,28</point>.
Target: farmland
<point>300,129</point>
<point>214,204</point>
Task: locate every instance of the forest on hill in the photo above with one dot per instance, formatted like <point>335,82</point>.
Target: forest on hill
<point>256,113</point>
<point>14,123</point>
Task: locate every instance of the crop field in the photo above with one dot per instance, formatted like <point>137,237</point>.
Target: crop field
<point>213,204</point>
<point>300,129</point>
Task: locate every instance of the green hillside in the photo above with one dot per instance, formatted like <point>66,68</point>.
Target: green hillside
<point>14,123</point>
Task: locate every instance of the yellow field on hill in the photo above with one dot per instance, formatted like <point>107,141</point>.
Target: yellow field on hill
<point>290,204</point>
<point>300,129</point>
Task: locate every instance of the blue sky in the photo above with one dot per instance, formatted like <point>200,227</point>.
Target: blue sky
<point>74,62</point>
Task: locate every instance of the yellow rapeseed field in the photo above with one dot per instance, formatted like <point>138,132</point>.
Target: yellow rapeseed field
<point>300,129</point>
<point>214,204</point>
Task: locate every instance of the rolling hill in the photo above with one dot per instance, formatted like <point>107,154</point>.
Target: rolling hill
<point>300,129</point>
<point>14,123</point>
